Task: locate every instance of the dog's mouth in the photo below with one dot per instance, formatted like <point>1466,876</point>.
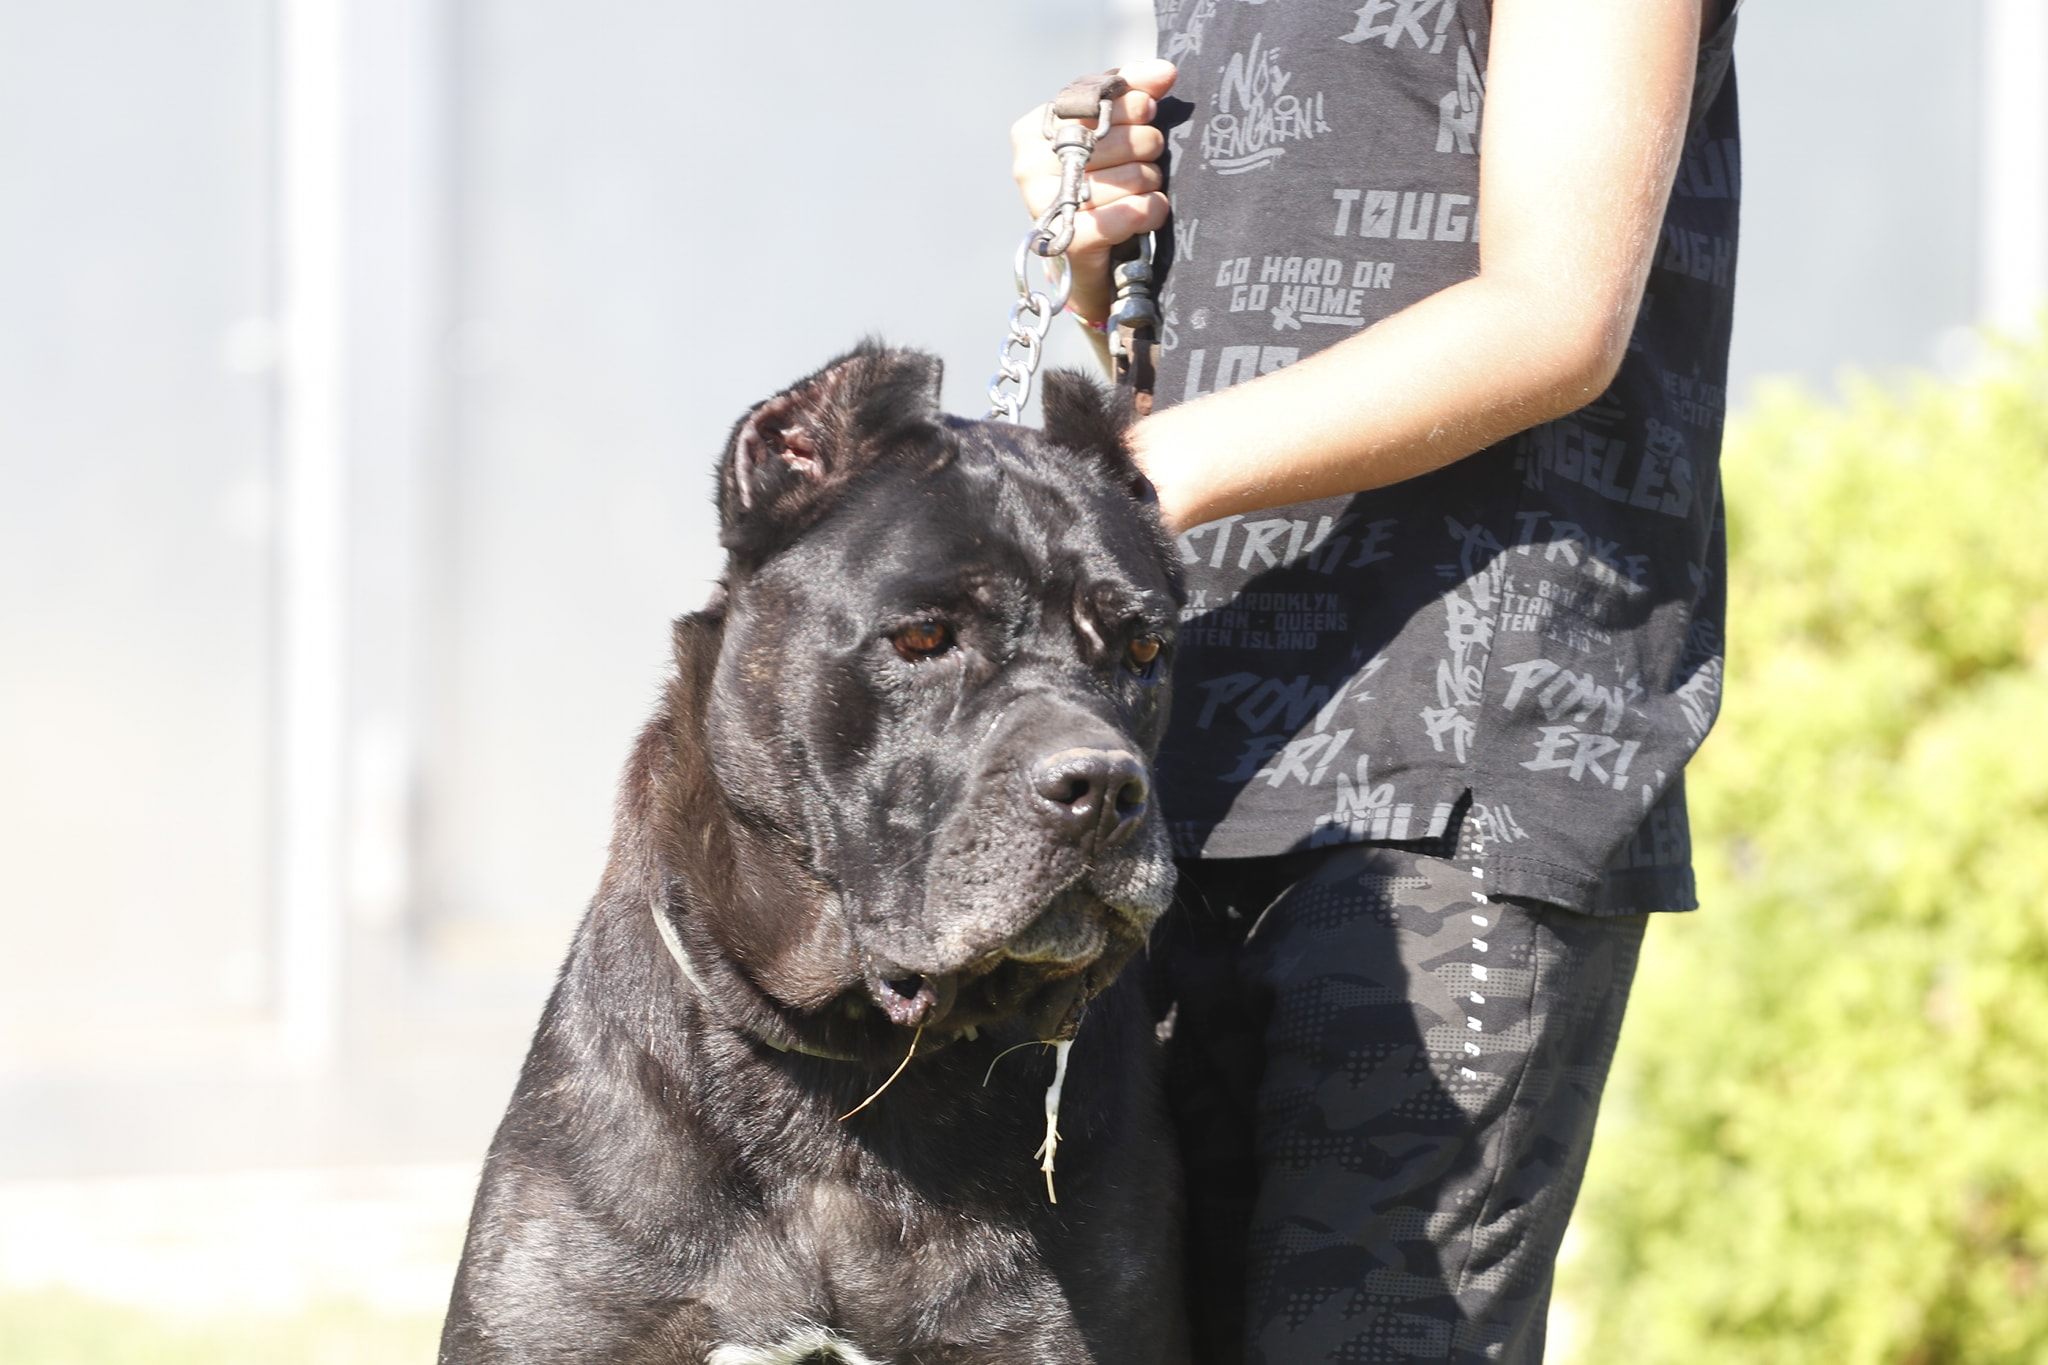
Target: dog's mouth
<point>1043,975</point>
<point>912,999</point>
<point>1011,990</point>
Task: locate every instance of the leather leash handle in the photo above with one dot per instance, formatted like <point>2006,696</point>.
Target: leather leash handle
<point>1134,370</point>
<point>1082,98</point>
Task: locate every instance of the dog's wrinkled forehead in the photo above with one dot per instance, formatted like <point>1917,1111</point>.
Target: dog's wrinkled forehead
<point>857,461</point>
<point>1009,511</point>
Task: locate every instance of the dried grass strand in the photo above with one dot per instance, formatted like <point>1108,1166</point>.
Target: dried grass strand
<point>892,1077</point>
<point>1028,1042</point>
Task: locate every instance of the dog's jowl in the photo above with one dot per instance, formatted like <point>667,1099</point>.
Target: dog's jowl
<point>895,804</point>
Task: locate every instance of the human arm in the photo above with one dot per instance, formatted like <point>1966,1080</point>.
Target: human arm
<point>1585,114</point>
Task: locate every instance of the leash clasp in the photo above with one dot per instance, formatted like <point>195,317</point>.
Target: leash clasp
<point>1073,143</point>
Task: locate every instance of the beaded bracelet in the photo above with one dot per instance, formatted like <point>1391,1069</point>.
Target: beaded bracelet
<point>1093,326</point>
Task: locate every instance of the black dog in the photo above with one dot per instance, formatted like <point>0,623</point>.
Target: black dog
<point>894,805</point>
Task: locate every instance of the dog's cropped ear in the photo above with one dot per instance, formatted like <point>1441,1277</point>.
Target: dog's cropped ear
<point>791,453</point>
<point>1084,416</point>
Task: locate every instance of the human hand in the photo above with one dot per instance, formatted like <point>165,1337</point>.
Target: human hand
<point>1123,182</point>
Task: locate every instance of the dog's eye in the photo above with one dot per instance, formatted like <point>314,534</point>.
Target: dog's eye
<point>923,640</point>
<point>1143,652</point>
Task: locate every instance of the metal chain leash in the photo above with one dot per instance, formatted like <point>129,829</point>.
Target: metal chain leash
<point>1073,142</point>
<point>1030,319</point>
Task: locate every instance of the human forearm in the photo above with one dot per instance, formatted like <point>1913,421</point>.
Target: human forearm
<point>1450,375</point>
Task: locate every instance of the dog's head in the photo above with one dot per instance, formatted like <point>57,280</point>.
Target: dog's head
<point>941,679</point>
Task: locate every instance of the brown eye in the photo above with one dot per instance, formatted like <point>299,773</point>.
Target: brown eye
<point>922,640</point>
<point>1143,651</point>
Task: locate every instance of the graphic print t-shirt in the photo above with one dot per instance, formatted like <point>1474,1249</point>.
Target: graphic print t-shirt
<point>1528,639</point>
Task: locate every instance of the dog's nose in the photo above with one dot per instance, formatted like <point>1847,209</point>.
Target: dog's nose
<point>1094,796</point>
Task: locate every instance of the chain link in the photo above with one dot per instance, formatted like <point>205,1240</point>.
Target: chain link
<point>1031,318</point>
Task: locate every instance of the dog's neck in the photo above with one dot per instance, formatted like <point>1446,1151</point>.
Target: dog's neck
<point>784,974</point>
<point>659,911</point>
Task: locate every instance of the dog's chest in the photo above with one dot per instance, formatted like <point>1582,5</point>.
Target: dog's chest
<point>833,1275</point>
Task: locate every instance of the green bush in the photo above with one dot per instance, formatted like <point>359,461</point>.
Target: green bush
<point>1826,1137</point>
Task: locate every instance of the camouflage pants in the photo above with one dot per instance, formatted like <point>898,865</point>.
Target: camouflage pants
<point>1385,1087</point>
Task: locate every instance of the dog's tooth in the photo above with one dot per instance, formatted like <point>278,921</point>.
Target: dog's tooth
<point>970,1033</point>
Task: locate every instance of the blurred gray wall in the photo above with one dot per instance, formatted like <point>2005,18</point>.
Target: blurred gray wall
<point>137,627</point>
<point>1861,184</point>
<point>361,371</point>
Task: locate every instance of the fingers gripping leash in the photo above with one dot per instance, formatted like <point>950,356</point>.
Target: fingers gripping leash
<point>1073,142</point>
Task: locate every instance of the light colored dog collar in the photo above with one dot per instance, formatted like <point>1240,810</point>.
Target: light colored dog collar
<point>670,941</point>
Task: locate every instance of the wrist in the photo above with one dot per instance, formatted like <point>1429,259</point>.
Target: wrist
<point>1091,296</point>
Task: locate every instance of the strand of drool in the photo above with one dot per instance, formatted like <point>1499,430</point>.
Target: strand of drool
<point>1051,1146</point>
